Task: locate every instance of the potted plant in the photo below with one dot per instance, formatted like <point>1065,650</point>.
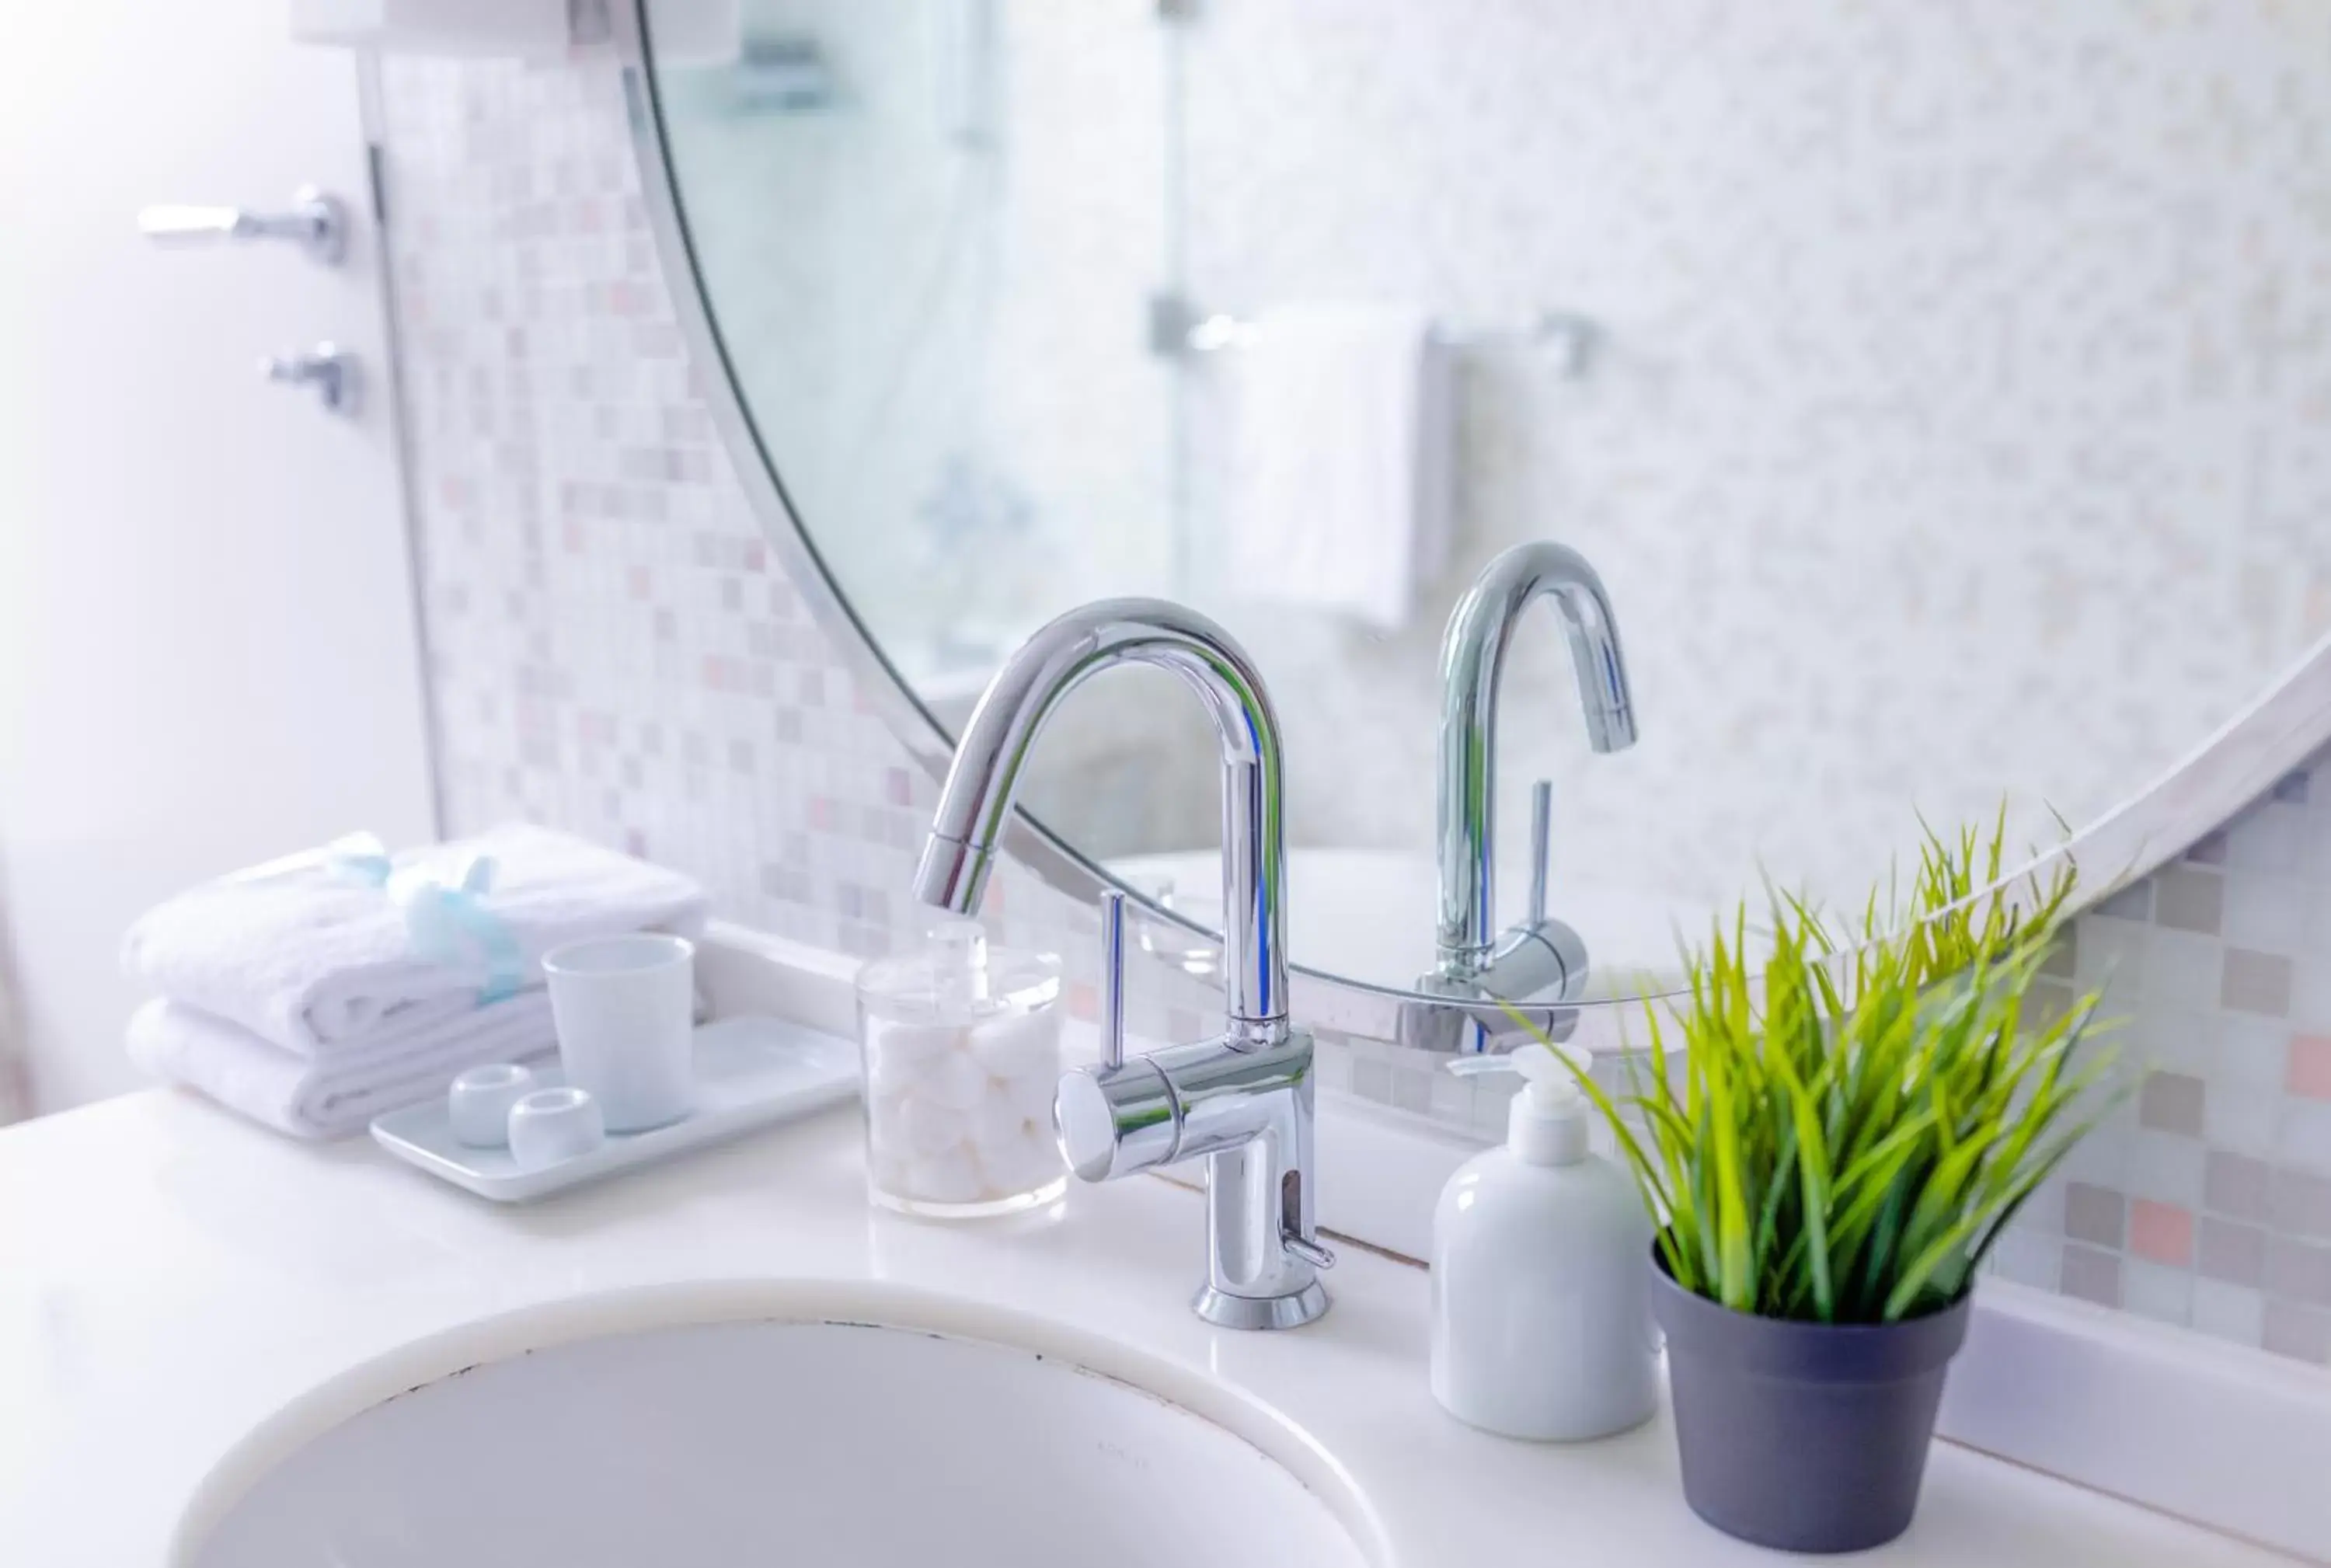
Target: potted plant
<point>1829,1138</point>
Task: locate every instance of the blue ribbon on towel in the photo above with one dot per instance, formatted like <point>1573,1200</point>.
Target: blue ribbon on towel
<point>445,916</point>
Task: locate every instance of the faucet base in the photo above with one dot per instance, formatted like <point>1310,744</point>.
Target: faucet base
<point>1225,1310</point>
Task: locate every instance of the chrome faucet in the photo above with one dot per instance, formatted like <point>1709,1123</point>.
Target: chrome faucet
<point>1540,953</point>
<point>1244,1099</point>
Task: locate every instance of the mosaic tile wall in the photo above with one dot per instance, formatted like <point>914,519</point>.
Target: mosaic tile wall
<point>610,646</point>
<point>611,650</point>
<point>2209,1203</point>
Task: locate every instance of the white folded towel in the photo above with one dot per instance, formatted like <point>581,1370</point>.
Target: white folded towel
<point>307,961</point>
<point>336,1095</point>
<point>1341,460</point>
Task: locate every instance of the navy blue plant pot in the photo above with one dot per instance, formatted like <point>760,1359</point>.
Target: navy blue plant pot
<point>1809,1437</point>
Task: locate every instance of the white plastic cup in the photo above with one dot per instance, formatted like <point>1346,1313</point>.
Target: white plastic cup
<point>625,1011</point>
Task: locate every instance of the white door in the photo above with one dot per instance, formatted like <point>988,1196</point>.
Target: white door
<point>207,648</point>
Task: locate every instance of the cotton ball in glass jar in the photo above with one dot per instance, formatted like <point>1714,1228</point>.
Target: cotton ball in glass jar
<point>925,1127</point>
<point>949,1176</point>
<point>1031,1095</point>
<point>1018,1044</point>
<point>997,1121</point>
<point>898,1054</point>
<point>953,1079</point>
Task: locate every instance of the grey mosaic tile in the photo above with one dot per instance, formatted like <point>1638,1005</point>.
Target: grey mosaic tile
<point>2092,1276</point>
<point>2256,982</point>
<point>2237,1186</point>
<point>2096,1214</point>
<point>2301,1333</point>
<point>2173,1103</point>
<point>2188,898</point>
<point>2233,1253</point>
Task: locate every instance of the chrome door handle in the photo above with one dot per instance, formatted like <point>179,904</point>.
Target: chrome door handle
<point>332,371</point>
<point>316,222</point>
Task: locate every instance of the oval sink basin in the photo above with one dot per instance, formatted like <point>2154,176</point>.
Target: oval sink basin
<point>862,1434</point>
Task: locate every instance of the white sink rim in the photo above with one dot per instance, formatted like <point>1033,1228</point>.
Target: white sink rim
<point>576,1319</point>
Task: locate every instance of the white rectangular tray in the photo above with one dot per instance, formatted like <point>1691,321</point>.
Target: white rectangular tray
<point>749,1073</point>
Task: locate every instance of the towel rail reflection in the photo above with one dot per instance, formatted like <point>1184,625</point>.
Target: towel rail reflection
<point>1566,339</point>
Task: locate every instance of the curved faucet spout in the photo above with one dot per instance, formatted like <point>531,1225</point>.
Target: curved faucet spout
<point>976,802</point>
<point>1473,656</point>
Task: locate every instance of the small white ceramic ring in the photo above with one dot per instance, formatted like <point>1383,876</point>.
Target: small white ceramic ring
<point>479,1103</point>
<point>552,1125</point>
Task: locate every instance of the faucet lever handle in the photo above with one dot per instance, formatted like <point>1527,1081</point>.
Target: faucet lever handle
<point>1311,1251</point>
<point>1112,979</point>
<point>1541,846</point>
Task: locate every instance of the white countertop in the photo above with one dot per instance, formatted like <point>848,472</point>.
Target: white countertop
<point>170,1277</point>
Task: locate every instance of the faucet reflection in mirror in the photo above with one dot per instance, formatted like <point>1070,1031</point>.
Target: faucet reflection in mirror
<point>1244,1099</point>
<point>1538,956</point>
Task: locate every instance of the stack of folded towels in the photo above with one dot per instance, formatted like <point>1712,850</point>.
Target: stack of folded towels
<point>303,994</point>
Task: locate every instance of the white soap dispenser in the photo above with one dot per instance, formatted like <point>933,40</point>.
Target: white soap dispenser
<point>1541,1313</point>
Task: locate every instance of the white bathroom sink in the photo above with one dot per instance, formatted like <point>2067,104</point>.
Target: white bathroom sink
<point>847,1432</point>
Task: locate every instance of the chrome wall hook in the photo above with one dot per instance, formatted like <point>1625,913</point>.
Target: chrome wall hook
<point>331,370</point>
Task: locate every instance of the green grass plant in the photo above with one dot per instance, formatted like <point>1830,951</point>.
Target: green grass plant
<point>1838,1130</point>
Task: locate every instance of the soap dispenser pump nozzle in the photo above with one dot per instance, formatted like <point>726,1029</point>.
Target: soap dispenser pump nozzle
<point>1548,1123</point>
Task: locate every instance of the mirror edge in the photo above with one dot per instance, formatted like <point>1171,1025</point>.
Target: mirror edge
<point>1027,841</point>
<point>2237,763</point>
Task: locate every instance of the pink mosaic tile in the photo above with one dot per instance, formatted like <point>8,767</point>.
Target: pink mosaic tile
<point>2309,1073</point>
<point>2161,1232</point>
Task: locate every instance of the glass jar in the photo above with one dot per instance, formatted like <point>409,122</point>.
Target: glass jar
<point>960,1047</point>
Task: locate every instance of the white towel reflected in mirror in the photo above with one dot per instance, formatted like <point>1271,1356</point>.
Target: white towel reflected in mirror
<point>1340,462</point>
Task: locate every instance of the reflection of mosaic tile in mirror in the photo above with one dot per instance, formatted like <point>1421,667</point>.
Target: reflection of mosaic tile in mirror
<point>611,650</point>
<point>1930,352</point>
<point>1963,418</point>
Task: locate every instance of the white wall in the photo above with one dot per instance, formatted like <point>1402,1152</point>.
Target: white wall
<point>206,644</point>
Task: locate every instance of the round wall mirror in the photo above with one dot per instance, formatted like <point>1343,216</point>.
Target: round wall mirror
<point>1940,448</point>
